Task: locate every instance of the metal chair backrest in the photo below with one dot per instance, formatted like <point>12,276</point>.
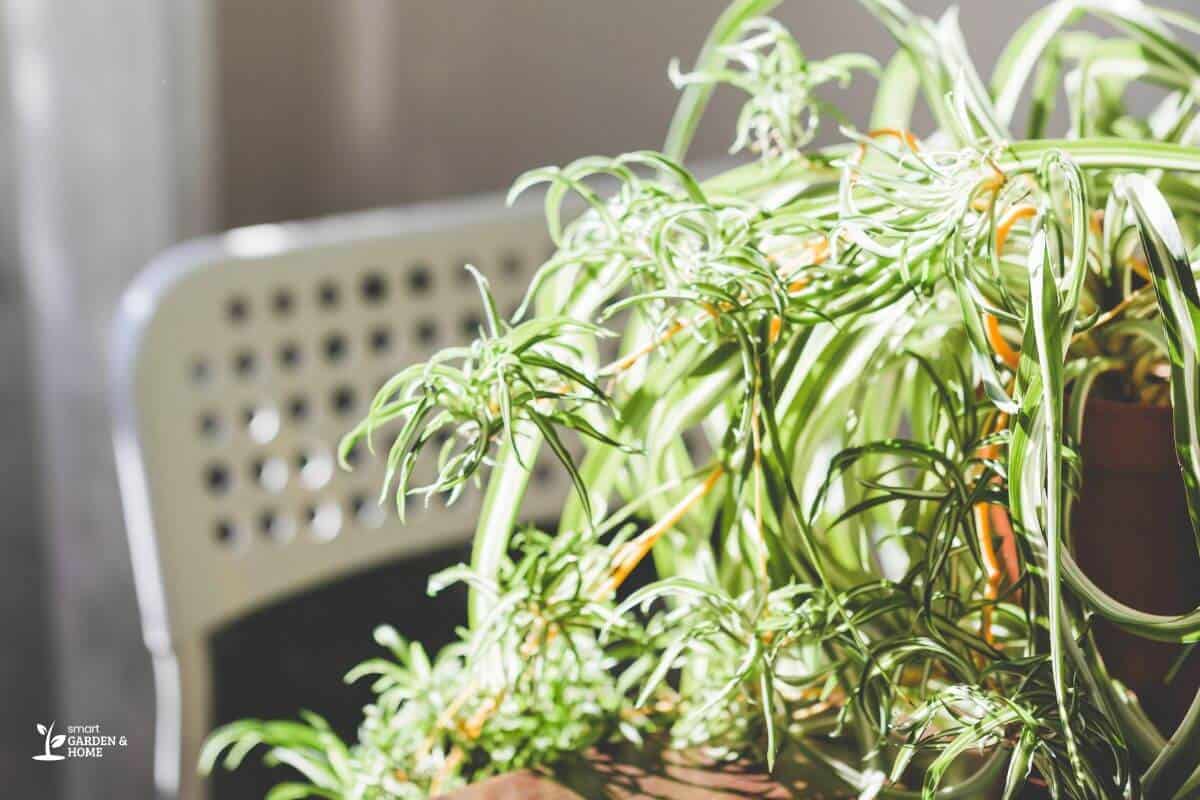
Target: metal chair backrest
<point>238,362</point>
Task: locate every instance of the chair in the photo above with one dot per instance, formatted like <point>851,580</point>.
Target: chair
<point>238,362</point>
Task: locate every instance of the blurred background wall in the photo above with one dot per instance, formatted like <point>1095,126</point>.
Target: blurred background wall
<point>131,124</point>
<point>25,665</point>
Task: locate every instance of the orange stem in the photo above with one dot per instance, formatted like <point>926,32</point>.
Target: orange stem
<point>991,567</point>
<point>901,135</point>
<point>983,529</point>
<point>449,765</point>
<point>632,552</point>
<point>905,137</point>
<point>1005,225</point>
<point>774,331</point>
<point>628,360</point>
<point>996,339</point>
<point>1141,268</point>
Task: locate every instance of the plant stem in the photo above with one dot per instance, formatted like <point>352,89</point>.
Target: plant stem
<point>1172,767</point>
<point>1110,154</point>
<point>632,553</point>
<point>501,505</point>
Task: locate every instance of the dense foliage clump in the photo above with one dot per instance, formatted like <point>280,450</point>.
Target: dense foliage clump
<point>838,367</point>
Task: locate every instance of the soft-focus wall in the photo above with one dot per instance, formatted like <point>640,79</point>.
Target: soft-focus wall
<point>24,662</point>
<point>104,170</point>
<point>328,106</point>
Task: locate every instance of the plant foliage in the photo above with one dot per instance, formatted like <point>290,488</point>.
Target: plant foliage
<point>873,344</point>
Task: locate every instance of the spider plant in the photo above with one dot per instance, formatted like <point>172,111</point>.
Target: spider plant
<point>835,367</point>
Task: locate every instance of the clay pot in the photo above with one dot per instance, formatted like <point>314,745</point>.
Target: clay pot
<point>628,773</point>
<point>652,772</point>
<point>1132,536</point>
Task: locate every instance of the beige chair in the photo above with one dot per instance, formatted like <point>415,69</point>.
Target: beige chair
<point>238,362</point>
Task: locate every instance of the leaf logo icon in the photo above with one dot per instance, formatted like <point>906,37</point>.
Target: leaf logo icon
<point>50,742</point>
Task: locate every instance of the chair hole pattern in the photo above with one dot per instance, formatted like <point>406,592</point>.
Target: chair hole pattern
<point>297,366</point>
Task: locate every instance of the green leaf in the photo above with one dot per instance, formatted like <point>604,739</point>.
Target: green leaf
<point>1179,306</point>
<point>1019,765</point>
<point>897,94</point>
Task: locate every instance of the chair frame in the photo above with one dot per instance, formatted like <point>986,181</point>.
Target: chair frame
<point>168,513</point>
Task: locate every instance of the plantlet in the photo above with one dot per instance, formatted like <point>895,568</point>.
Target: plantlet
<point>837,367</point>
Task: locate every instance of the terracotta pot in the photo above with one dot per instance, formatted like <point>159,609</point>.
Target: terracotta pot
<point>653,772</point>
<point>628,773</point>
<point>1132,536</point>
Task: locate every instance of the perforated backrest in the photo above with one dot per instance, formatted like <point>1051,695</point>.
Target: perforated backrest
<point>240,361</point>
